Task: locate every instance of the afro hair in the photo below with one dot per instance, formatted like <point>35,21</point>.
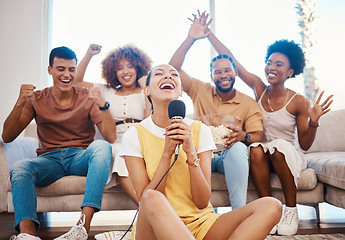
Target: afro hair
<point>293,52</point>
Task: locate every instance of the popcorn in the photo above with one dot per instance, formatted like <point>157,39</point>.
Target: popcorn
<point>219,132</point>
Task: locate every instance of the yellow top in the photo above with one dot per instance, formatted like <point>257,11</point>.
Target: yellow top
<point>177,190</point>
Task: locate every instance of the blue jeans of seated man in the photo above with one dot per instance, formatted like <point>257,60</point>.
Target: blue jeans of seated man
<point>234,163</point>
<point>25,175</point>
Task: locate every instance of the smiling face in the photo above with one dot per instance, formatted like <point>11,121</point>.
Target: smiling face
<point>277,68</point>
<point>126,74</point>
<point>164,84</point>
<point>63,72</point>
<point>223,75</point>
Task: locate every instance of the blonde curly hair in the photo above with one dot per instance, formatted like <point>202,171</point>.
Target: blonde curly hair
<point>137,57</point>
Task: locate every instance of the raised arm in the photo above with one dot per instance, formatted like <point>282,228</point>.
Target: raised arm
<point>198,30</point>
<point>16,122</point>
<point>81,69</point>
<point>107,127</point>
<point>250,79</point>
<point>308,118</point>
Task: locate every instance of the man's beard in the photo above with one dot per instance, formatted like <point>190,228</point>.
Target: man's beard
<point>219,88</point>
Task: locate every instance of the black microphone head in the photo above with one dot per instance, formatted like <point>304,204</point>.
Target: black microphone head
<point>177,108</point>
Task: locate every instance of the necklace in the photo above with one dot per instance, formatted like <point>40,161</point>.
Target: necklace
<point>269,102</point>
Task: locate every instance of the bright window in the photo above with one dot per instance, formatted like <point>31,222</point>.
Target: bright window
<point>247,27</point>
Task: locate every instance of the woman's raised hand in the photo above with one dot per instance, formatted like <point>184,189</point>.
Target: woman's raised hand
<point>199,28</point>
<point>94,49</point>
<point>318,109</point>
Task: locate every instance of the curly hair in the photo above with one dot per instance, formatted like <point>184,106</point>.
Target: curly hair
<point>293,52</point>
<point>137,57</point>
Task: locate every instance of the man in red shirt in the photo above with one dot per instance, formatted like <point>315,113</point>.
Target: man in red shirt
<point>65,115</point>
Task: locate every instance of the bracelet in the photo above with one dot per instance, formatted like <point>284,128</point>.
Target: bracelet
<point>313,126</point>
<point>195,163</point>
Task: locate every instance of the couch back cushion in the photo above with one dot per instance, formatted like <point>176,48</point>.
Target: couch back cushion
<point>20,148</point>
<point>330,134</point>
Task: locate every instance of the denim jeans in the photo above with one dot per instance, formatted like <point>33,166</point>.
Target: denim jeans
<point>25,175</point>
<point>234,163</point>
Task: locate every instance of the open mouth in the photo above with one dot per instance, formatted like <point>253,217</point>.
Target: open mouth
<point>224,81</point>
<point>66,81</point>
<point>167,86</point>
<point>127,78</point>
<point>271,75</point>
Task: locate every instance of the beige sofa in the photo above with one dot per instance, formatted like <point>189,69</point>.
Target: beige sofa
<point>326,158</point>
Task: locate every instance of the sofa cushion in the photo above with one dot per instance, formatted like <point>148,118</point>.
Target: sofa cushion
<point>330,135</point>
<point>69,185</point>
<point>20,148</point>
<point>329,167</point>
<point>306,181</point>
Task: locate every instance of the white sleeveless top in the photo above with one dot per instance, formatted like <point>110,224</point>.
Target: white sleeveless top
<point>279,124</point>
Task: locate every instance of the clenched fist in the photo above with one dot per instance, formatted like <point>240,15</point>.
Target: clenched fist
<point>95,94</point>
<point>26,91</point>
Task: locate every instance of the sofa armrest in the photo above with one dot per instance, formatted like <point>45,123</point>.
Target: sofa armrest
<point>20,148</point>
<point>3,178</point>
<point>330,135</point>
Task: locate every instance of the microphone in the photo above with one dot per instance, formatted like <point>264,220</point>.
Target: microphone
<point>177,110</point>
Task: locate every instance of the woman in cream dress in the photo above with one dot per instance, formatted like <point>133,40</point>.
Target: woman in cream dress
<point>124,69</point>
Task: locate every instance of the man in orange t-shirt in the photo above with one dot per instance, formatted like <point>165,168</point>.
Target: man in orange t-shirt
<point>223,98</point>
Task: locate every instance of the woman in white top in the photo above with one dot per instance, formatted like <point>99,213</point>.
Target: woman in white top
<point>123,69</point>
<point>283,110</point>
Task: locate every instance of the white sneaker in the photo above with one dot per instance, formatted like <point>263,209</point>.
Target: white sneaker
<point>113,235</point>
<point>289,223</point>
<point>78,232</point>
<point>24,236</point>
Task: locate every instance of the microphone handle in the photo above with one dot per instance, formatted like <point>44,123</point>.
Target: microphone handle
<point>178,145</point>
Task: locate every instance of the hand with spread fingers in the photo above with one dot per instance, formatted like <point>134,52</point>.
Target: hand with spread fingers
<point>199,28</point>
<point>318,109</point>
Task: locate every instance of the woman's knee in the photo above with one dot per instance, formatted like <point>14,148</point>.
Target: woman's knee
<point>273,207</point>
<point>256,155</point>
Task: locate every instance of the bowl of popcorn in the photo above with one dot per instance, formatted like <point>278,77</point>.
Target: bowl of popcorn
<point>218,124</point>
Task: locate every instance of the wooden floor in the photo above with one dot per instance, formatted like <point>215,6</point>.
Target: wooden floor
<point>55,224</point>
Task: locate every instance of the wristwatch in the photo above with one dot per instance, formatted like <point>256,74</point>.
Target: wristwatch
<point>247,139</point>
<point>195,163</point>
<point>106,106</point>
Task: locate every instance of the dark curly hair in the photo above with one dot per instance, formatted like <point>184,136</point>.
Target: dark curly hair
<point>137,57</point>
<point>293,52</point>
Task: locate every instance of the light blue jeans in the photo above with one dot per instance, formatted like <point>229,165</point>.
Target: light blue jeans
<point>234,163</point>
<point>25,175</point>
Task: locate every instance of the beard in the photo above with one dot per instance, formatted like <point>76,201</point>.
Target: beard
<point>225,90</point>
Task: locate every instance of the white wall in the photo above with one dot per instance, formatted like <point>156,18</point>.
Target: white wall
<point>24,41</point>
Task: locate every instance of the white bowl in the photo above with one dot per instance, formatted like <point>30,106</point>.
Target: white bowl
<point>218,124</point>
